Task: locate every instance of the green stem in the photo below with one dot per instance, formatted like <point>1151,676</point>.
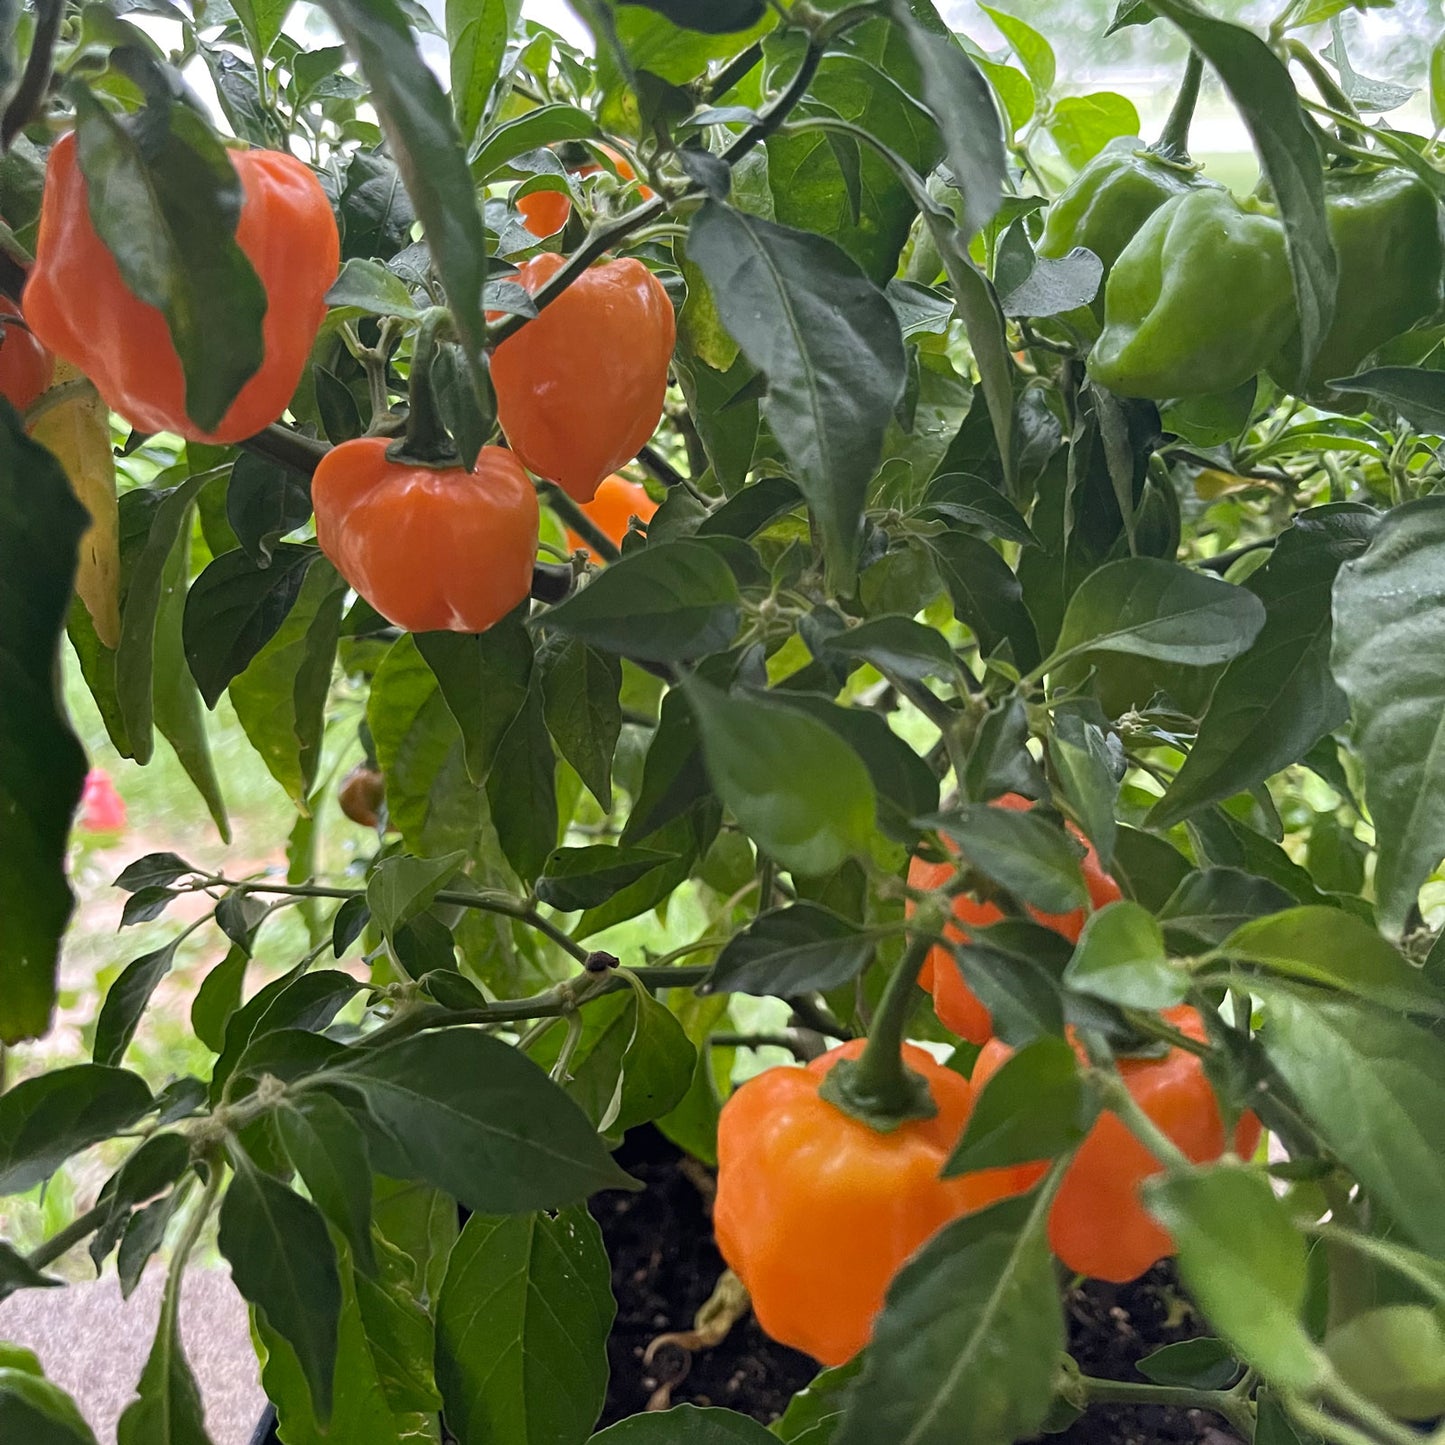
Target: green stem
<point>38,65</point>
<point>879,1088</point>
<point>66,1239</point>
<point>1329,89</point>
<point>568,1049</point>
<point>1174,138</point>
<point>1382,1426</point>
<point>427,442</point>
<point>1326,1426</point>
<point>577,520</point>
<point>287,448</point>
<point>1224,1403</point>
<point>1114,1094</point>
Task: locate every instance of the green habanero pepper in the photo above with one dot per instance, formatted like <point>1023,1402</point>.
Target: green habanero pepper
<point>1121,187</point>
<point>1385,225</point>
<point>1198,302</point>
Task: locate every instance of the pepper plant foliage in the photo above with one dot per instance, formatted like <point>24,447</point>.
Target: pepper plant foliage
<point>911,555</point>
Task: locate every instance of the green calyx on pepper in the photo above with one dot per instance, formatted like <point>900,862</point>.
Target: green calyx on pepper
<point>1386,229</point>
<point>1122,186</point>
<point>1198,302</point>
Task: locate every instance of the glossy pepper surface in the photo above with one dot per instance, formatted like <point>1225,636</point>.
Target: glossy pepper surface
<point>1385,226</point>
<point>431,549</point>
<point>1110,199</point>
<point>1198,302</point>
<point>816,1211</point>
<point>1098,1225</point>
<point>957,1006</point>
<point>25,365</point>
<point>79,306</point>
<point>617,502</point>
<point>580,387</point>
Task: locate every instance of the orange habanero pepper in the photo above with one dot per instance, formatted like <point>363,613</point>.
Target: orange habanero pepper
<point>78,305</point>
<point>580,387</point>
<point>544,213</point>
<point>957,1006</point>
<point>616,503</point>
<point>817,1211</point>
<point>25,365</point>
<point>432,549</point>
<point>1098,1226</point>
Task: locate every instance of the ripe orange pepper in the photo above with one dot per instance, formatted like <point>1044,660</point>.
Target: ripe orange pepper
<point>957,1006</point>
<point>816,1211</point>
<point>580,387</point>
<point>78,305</point>
<point>544,213</point>
<point>1098,1226</point>
<point>25,365</point>
<point>616,503</point>
<point>431,549</point>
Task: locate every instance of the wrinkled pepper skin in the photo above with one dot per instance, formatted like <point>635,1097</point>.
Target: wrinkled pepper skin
<point>1386,230</point>
<point>959,1009</point>
<point>1198,302</point>
<point>432,549</point>
<point>1098,1225</point>
<point>816,1211</point>
<point>78,305</point>
<point>1110,199</point>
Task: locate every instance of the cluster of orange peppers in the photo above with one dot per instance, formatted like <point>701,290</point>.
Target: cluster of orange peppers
<point>816,1210</point>
<point>431,546</point>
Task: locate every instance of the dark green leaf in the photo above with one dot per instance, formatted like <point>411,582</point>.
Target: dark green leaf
<point>155,870</point>
<point>42,767</point>
<point>799,791</point>
<point>1274,702</point>
<point>1209,904</point>
<point>145,1232</point>
<point>263,502</point>
<point>235,608</point>
<point>666,602</point>
<point>477,39</point>
<point>897,645</point>
<point>328,1149</point>
<point>1202,1364</point>
<point>166,200</point>
<point>577,878</point>
<point>17,1273</point>
<point>422,137</point>
<point>1336,950</point>
<point>1150,608</point>
<point>686,1425</point>
<point>527,1302</point>
<point>986,595</point>
<point>581,705</point>
<point>521,789</point>
<point>283,1262</point>
<point>368,287</point>
<point>1396,1093</point>
<point>154,1167</point>
<point>476,1118</point>
<point>484,680</point>
<point>962,103</point>
<point>1417,393</point>
<point>1020,851</point>
<point>46,1119</point>
<point>1389,642</point>
<point>168,1409</point>
<point>712,17</point>
<point>816,1411</point>
<point>975,503</point>
<point>1035,1107</point>
<point>34,1410</point>
<point>1121,959</point>
<point>401,887</point>
<point>799,949</point>
<point>1245,1262</point>
<point>1087,761</point>
<point>964,1352</point>
<point>218,997</point>
<point>830,347</point>
<point>126,1000</point>
<point>547,125</point>
<point>281,697</point>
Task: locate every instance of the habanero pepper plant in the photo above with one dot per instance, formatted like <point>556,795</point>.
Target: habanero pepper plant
<point>782,509</point>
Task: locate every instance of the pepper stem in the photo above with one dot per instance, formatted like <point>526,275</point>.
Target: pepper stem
<point>426,442</point>
<point>1174,138</point>
<point>878,1088</point>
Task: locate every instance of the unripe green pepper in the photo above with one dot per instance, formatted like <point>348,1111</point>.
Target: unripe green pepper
<point>1121,187</point>
<point>1198,302</point>
<point>1111,198</point>
<point>1385,225</point>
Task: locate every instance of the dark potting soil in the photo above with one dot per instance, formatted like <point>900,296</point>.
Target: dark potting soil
<point>665,1265</point>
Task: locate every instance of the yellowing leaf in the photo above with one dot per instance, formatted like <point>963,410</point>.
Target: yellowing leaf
<point>77,431</point>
